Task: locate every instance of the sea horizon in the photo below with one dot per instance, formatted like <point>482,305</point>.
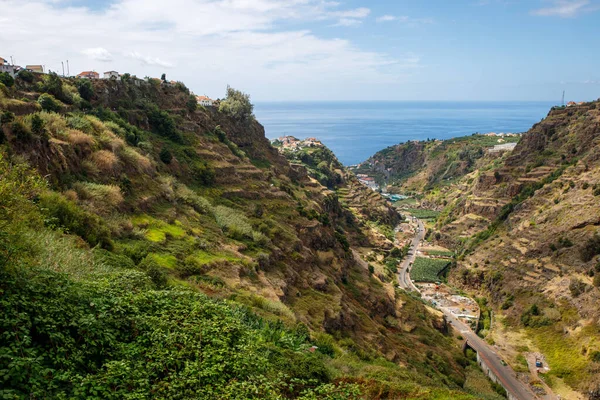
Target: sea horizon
<point>355,130</point>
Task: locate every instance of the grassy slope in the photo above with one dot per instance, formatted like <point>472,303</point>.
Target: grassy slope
<point>124,226</point>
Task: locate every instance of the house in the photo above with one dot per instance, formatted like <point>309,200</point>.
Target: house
<point>571,104</point>
<point>111,75</point>
<point>3,61</point>
<point>9,69</point>
<point>38,69</point>
<point>89,75</point>
<point>205,101</point>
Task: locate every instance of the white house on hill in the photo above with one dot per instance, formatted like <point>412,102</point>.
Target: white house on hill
<point>111,74</point>
<point>205,101</point>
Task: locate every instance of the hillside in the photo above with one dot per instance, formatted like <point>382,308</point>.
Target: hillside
<point>153,248</point>
<point>526,225</point>
<point>422,165</point>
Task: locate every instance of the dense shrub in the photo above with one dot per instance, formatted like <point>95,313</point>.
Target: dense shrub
<point>21,131</point>
<point>162,123</point>
<point>577,287</point>
<point>25,75</point>
<point>591,248</point>
<point>165,155</point>
<point>49,103</point>
<point>53,85</point>
<point>6,79</point>
<point>115,338</point>
<point>65,214</point>
<point>192,103</point>
<point>203,172</point>
<point>85,89</point>
<point>532,317</point>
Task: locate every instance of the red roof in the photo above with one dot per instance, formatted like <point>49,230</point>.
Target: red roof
<point>88,73</point>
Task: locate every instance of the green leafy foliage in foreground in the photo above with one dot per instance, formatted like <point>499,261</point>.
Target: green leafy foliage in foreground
<point>113,336</point>
<point>427,269</point>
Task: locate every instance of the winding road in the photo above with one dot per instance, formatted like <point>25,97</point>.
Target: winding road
<point>505,374</point>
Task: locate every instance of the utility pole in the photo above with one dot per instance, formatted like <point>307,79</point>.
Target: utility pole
<point>68,72</point>
<point>12,62</point>
<point>63,67</point>
<point>563,99</point>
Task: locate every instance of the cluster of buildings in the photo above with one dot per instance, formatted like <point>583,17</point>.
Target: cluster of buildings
<point>368,181</point>
<point>13,70</point>
<point>502,134</point>
<point>294,144</point>
<point>572,103</point>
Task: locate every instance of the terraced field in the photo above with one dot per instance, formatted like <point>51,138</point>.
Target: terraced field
<point>427,269</point>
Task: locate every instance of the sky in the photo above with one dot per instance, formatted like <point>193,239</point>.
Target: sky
<point>307,50</point>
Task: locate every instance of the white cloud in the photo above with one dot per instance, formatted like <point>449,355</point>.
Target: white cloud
<point>98,53</point>
<point>147,60</point>
<point>207,43</point>
<point>386,18</point>
<point>563,8</point>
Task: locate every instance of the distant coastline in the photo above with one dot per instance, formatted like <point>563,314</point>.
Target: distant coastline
<point>356,130</point>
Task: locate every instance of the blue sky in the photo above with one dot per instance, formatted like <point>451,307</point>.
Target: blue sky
<point>323,50</point>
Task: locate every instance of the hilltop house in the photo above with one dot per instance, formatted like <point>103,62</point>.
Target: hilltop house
<point>89,75</point>
<point>38,69</point>
<point>205,101</point>
<point>571,104</point>
<point>3,61</point>
<point>111,75</point>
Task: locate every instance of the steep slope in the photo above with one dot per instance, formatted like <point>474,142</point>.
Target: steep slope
<point>526,225</point>
<point>150,201</point>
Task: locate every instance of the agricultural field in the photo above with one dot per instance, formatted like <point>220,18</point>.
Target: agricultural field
<point>423,214</point>
<point>439,253</point>
<point>427,269</point>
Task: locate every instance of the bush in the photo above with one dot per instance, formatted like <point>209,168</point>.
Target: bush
<point>577,287</point>
<point>49,103</point>
<point>7,117</point>
<point>192,103</point>
<point>155,272</point>
<point>21,132</point>
<point>26,76</point>
<point>53,85</point>
<point>203,173</point>
<point>65,214</point>
<point>597,280</point>
<point>591,248</point>
<point>237,105</point>
<point>6,79</point>
<point>165,155</point>
<point>532,317</point>
<point>85,89</point>
<point>162,123</point>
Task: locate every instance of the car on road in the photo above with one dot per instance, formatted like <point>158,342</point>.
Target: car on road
<point>503,363</point>
<point>539,364</point>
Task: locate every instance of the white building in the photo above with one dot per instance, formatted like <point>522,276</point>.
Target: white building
<point>111,74</point>
<point>205,101</point>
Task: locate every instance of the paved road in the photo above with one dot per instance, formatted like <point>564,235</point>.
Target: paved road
<point>403,274</point>
<point>505,374</point>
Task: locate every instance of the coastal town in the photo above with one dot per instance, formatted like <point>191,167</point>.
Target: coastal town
<point>10,68</point>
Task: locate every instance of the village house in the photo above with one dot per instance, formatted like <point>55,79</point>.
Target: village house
<point>370,183</point>
<point>5,66</point>
<point>205,101</point>
<point>3,61</point>
<point>38,69</point>
<point>571,104</point>
<point>312,142</point>
<point>111,75</point>
<point>89,75</point>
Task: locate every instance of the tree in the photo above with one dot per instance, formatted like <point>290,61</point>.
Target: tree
<point>237,105</point>
<point>192,103</point>
<point>163,77</point>
<point>86,91</point>
<point>37,124</point>
<point>6,79</point>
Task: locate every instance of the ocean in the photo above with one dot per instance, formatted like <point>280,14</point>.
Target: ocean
<point>354,131</point>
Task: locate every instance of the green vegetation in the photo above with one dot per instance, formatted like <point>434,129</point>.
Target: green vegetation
<point>237,105</point>
<point>423,214</point>
<point>153,259</point>
<point>428,269</point>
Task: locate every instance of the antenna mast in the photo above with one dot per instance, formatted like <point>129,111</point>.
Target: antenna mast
<point>563,98</point>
